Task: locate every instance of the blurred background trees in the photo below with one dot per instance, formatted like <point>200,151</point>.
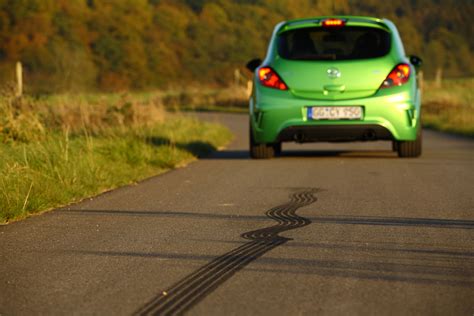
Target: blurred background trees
<point>86,45</point>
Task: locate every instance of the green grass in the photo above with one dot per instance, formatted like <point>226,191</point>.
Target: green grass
<point>450,108</point>
<point>51,157</point>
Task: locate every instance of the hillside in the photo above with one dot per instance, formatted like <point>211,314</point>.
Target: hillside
<point>78,45</point>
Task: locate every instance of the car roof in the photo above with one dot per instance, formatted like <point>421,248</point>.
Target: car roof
<point>349,19</point>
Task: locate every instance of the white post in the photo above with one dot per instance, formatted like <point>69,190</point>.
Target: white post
<point>236,77</point>
<point>19,79</point>
<point>249,88</point>
<point>439,77</point>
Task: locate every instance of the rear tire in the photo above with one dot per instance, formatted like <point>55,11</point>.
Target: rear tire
<point>261,151</point>
<point>410,149</point>
<point>394,145</point>
<point>277,148</point>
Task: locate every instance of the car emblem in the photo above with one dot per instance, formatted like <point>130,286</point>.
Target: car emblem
<point>333,73</point>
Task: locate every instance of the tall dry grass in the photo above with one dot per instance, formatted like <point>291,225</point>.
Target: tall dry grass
<point>450,107</point>
<point>29,119</point>
<point>194,98</point>
<point>60,149</point>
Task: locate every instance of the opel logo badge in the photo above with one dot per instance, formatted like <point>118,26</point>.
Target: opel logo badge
<point>333,73</point>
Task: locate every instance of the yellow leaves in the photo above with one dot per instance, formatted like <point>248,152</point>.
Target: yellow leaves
<point>214,16</point>
<point>139,44</point>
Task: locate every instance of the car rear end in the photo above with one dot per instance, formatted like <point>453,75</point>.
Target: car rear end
<point>335,79</point>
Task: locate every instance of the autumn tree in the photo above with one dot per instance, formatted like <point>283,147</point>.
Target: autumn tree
<point>78,45</point>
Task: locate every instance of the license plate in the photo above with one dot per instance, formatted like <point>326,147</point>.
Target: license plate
<point>335,112</point>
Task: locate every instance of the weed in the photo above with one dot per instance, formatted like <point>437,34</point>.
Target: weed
<point>62,149</point>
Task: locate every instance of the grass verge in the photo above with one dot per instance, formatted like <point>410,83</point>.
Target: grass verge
<point>450,108</point>
<point>231,99</point>
<point>53,155</point>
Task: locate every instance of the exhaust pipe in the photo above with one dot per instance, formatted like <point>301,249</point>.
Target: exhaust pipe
<point>299,137</point>
<point>370,135</point>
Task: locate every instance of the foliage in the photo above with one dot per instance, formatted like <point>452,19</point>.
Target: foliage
<point>80,45</point>
<point>450,107</point>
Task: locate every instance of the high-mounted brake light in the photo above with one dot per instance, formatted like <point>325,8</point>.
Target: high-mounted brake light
<point>269,78</point>
<point>333,23</point>
<point>398,76</point>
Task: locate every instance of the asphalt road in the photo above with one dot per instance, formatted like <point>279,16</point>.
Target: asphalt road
<point>331,229</point>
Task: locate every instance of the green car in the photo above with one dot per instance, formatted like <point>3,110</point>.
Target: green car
<point>342,78</point>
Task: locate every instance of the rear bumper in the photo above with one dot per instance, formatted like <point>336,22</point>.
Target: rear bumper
<point>334,133</point>
<point>388,115</point>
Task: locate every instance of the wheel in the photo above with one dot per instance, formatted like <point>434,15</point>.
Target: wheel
<point>261,151</point>
<point>277,148</point>
<point>410,149</point>
<point>394,145</point>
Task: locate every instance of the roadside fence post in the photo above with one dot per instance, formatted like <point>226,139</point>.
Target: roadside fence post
<point>19,79</point>
<point>439,77</point>
<point>236,77</point>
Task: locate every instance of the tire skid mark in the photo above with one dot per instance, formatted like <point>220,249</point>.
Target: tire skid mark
<point>197,285</point>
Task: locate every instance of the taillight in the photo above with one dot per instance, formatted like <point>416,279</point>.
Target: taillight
<point>333,23</point>
<point>398,76</point>
<point>269,78</point>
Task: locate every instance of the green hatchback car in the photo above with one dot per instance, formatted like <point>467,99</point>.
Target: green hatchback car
<point>341,78</point>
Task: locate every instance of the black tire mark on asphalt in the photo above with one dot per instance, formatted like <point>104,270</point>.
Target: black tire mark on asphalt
<point>193,288</point>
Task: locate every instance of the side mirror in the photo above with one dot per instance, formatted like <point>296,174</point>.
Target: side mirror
<point>253,64</point>
<point>416,61</point>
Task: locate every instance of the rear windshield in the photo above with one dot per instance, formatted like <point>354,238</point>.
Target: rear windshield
<point>346,43</point>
